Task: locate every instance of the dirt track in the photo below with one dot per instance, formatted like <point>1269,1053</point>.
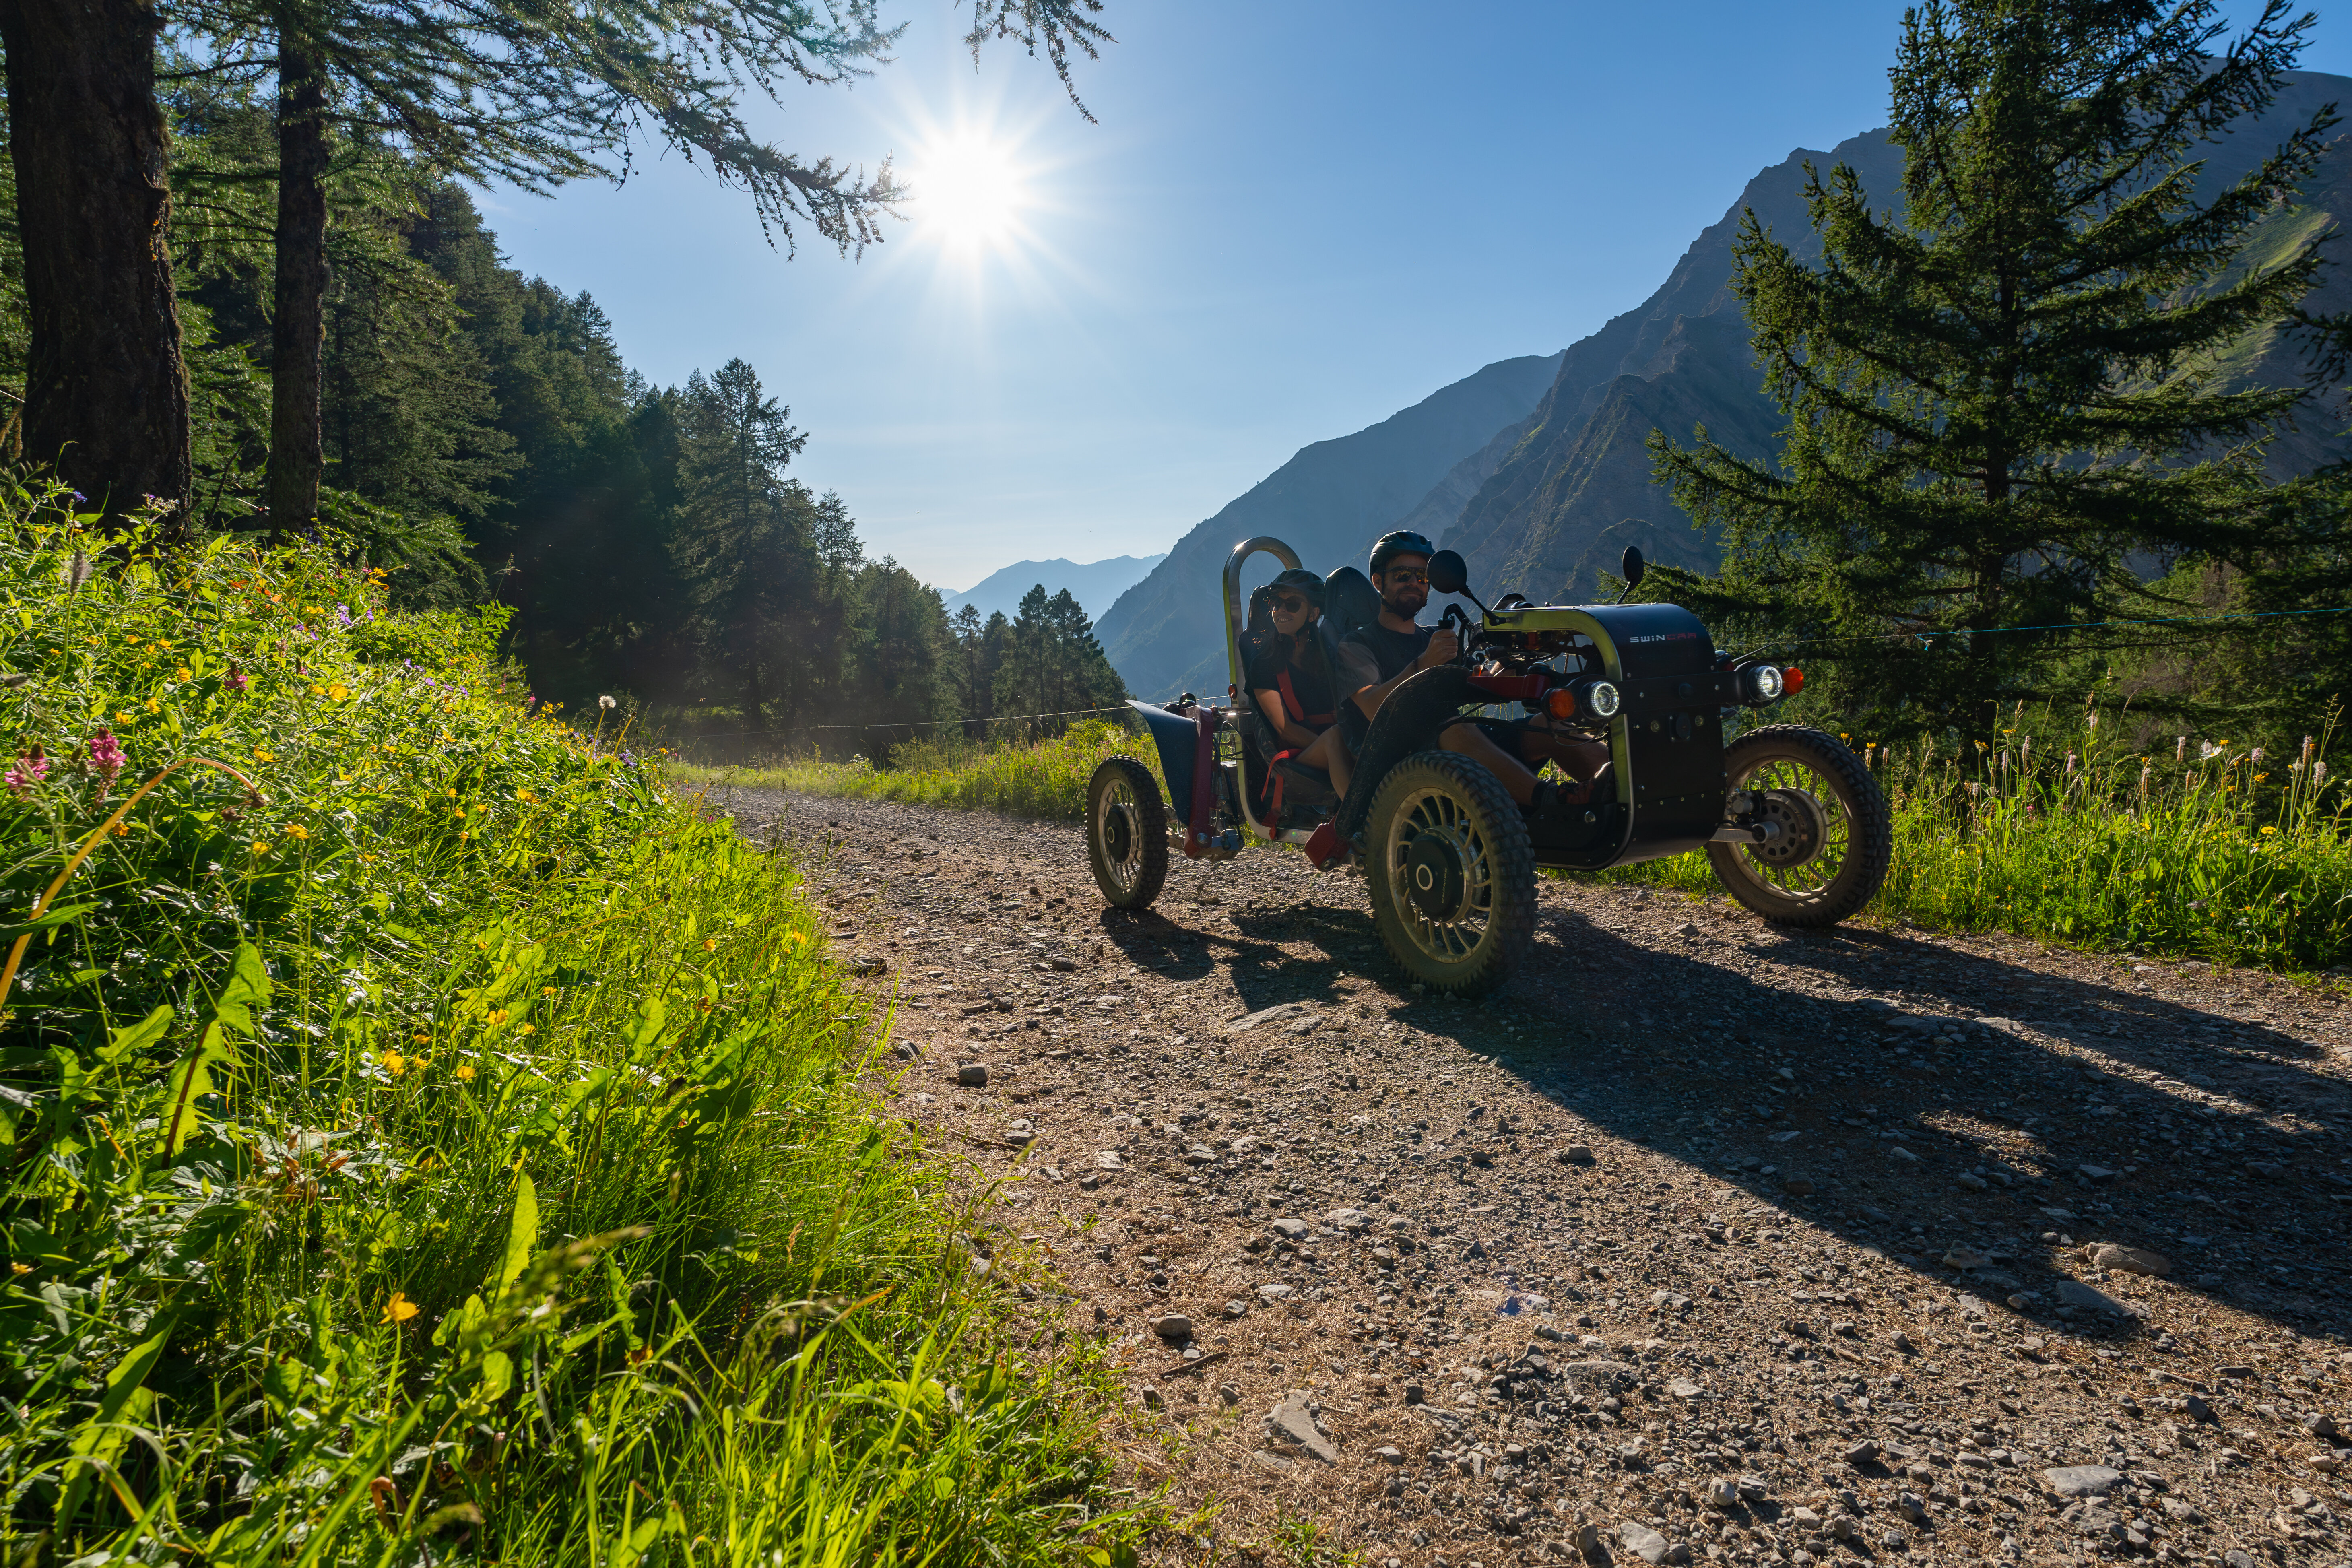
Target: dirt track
<point>1704,1241</point>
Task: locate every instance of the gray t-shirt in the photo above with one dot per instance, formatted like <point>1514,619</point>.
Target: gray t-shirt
<point>1372,655</point>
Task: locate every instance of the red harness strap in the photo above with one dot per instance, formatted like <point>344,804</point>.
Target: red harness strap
<point>1299,715</point>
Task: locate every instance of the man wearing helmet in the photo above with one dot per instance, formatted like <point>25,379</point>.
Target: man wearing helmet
<point>1378,658</point>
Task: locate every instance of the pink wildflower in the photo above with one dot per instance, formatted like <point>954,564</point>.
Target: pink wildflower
<point>236,680</point>
<point>31,768</point>
<point>105,760</point>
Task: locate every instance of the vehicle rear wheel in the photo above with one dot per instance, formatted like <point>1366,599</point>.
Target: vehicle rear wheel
<point>1127,833</point>
<point>1452,877</point>
<point>1835,832</point>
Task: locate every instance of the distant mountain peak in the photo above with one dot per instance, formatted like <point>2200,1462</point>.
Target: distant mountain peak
<point>1095,584</point>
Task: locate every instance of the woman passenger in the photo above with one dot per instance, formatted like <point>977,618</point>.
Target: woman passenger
<point>1292,679</point>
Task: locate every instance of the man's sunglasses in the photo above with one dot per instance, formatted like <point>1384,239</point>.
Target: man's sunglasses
<point>1293,605</point>
<point>1406,574</point>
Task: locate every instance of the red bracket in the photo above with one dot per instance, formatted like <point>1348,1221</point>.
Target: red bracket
<point>1204,779</point>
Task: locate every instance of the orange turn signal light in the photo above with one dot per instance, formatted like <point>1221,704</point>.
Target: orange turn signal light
<point>1560,704</point>
<point>1792,680</point>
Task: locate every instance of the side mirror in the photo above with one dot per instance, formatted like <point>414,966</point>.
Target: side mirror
<point>1448,573</point>
<point>1630,569</point>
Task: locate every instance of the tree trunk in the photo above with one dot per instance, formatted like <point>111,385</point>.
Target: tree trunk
<point>106,390</point>
<point>298,333</point>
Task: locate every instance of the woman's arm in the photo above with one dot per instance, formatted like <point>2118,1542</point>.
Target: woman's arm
<point>1270,702</point>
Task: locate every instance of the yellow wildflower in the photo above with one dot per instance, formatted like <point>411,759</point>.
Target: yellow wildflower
<point>526,1028</point>
<point>261,847</point>
<point>154,706</point>
<point>187,674</point>
<point>710,945</point>
<point>466,1072</point>
<point>296,830</point>
<point>400,1309</point>
<point>2268,829</point>
<point>421,1039</point>
<point>339,693</point>
<point>525,796</point>
<point>498,1015</point>
<point>394,1063</point>
<point>261,756</point>
<point>123,715</point>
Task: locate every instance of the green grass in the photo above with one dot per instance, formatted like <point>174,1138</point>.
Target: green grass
<point>1045,779</point>
<point>441,1142</point>
<point>2065,833</point>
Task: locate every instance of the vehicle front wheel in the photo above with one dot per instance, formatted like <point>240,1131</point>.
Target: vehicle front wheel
<point>1127,833</point>
<point>1452,875</point>
<point>1832,833</point>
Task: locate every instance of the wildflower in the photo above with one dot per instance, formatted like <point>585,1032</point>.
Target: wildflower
<point>296,830</point>
<point>526,1028</point>
<point>2181,750</point>
<point>123,715</point>
<point>337,693</point>
<point>604,702</point>
<point>2269,829</point>
<point>466,1072</point>
<point>400,1309</point>
<point>184,673</point>
<point>421,1039</point>
<point>2260,778</point>
<point>498,1015</point>
<point>525,796</point>
<point>2255,755</point>
<point>709,944</point>
<point>394,1063</point>
<point>102,757</point>
<point>261,847</point>
<point>343,616</point>
<point>261,756</point>
<point>154,706</point>
<point>31,768</point>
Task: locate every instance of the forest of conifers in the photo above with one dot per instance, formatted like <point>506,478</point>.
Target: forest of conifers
<point>479,433</point>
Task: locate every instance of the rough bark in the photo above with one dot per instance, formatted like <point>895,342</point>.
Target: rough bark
<point>105,389</point>
<point>297,332</point>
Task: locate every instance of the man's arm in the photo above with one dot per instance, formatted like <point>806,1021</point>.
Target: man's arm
<point>1442,645</point>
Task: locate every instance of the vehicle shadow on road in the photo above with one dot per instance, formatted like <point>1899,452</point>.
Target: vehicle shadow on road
<point>2035,1113</point>
<point>2026,1104</point>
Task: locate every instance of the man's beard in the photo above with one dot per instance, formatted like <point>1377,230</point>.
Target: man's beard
<point>1405,602</point>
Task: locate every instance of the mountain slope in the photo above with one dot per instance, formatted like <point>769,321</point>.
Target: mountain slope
<point>1328,502</point>
<point>1096,584</point>
<point>1557,511</point>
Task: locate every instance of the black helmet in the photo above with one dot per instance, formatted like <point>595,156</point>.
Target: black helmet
<point>1388,546</point>
<point>1302,583</point>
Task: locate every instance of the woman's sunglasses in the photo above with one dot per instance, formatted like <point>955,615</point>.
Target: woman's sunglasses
<point>1291,605</point>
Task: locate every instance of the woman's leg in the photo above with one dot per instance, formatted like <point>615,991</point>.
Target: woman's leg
<point>1329,753</point>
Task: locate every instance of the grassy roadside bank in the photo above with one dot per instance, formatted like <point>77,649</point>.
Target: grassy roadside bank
<point>1046,780</point>
<point>427,1137</point>
<point>2197,848</point>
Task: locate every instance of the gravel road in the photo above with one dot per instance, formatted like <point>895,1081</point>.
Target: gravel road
<point>1707,1240</point>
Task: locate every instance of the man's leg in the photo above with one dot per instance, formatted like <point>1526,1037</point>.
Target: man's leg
<point>1473,742</point>
<point>1579,757</point>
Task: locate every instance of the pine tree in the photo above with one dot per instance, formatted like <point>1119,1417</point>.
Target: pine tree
<point>2002,404</point>
<point>746,548</point>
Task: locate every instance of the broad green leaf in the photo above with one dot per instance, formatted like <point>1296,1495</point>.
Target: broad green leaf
<point>247,988</point>
<point>145,1033</point>
<point>522,1233</point>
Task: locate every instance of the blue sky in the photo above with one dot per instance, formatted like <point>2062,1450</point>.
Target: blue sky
<point>1292,218</point>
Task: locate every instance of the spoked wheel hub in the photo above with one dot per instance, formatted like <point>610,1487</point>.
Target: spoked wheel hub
<point>1437,870</point>
<point>1802,822</point>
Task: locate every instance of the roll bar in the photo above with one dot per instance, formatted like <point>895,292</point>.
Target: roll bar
<point>1235,619</point>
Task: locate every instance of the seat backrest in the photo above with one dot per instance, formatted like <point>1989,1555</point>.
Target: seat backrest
<point>1350,602</point>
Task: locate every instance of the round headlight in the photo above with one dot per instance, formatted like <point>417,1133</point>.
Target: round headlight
<point>1764,681</point>
<point>1602,699</point>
